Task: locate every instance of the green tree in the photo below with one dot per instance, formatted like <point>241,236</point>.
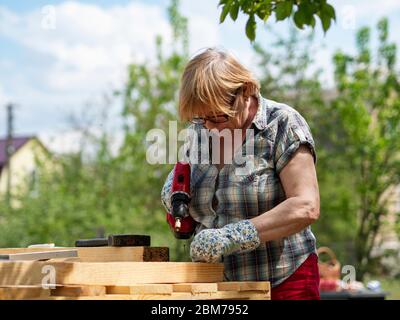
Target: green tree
<point>286,74</point>
<point>104,193</point>
<point>303,12</point>
<point>77,195</point>
<point>368,104</point>
<point>150,101</point>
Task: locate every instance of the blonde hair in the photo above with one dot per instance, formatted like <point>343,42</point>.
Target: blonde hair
<point>214,81</point>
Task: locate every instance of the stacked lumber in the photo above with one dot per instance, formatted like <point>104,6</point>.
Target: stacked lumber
<point>135,273</point>
<point>101,254</point>
<point>178,291</point>
<point>42,255</point>
<point>152,291</point>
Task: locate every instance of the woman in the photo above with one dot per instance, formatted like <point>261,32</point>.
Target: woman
<point>258,222</point>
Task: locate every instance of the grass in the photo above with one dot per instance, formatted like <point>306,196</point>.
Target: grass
<point>389,285</point>
<point>392,286</point>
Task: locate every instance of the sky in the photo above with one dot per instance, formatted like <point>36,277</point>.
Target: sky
<point>59,58</point>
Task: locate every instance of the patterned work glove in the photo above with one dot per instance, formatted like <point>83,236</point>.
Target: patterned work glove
<point>210,245</point>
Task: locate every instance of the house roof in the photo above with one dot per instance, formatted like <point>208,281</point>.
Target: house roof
<point>17,143</point>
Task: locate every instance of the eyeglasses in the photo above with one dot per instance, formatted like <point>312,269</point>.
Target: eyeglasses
<point>220,118</point>
<point>217,119</point>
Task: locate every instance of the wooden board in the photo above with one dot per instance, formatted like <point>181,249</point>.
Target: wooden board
<point>195,287</point>
<point>66,260</point>
<point>23,250</point>
<point>149,288</point>
<point>105,297</point>
<point>23,292</point>
<point>41,255</point>
<point>220,295</point>
<point>110,273</point>
<point>106,254</point>
<point>133,254</point>
<point>228,286</point>
<point>244,286</point>
<point>78,291</point>
<point>162,288</point>
<point>191,291</point>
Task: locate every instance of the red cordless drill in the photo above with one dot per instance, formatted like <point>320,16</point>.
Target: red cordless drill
<point>181,223</point>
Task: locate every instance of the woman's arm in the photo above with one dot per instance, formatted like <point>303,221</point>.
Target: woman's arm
<point>301,208</point>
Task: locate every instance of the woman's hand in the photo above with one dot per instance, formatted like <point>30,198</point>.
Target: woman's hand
<point>210,245</point>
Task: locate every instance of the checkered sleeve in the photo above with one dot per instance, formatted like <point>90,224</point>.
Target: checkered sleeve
<point>292,132</point>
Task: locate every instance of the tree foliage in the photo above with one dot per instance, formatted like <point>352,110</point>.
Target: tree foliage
<point>150,101</point>
<point>303,12</point>
<point>110,193</point>
<point>368,105</point>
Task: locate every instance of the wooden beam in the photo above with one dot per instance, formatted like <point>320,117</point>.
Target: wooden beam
<point>244,286</point>
<point>41,255</point>
<point>133,254</point>
<point>255,285</point>
<point>106,254</point>
<point>105,297</point>
<point>66,260</point>
<point>23,250</point>
<point>110,273</point>
<point>228,286</point>
<point>148,288</point>
<point>220,295</point>
<point>22,292</point>
<point>195,287</point>
<point>78,291</point>
<point>232,295</point>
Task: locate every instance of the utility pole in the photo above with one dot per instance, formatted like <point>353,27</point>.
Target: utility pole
<point>9,150</point>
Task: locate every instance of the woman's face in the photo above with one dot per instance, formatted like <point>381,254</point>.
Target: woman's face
<point>237,122</point>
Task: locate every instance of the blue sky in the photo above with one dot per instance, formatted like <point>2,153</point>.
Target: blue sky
<point>53,70</point>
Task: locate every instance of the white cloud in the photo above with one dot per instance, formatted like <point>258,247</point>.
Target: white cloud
<point>85,55</point>
<point>203,32</point>
<point>203,23</point>
<point>56,71</point>
<point>206,31</point>
<point>90,46</point>
<point>71,141</point>
<point>368,9</point>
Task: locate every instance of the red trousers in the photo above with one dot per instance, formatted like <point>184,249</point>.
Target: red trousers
<point>301,285</point>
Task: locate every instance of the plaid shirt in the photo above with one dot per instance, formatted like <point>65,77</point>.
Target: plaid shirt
<point>220,198</point>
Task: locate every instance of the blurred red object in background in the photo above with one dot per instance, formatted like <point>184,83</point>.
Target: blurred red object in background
<point>328,285</point>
